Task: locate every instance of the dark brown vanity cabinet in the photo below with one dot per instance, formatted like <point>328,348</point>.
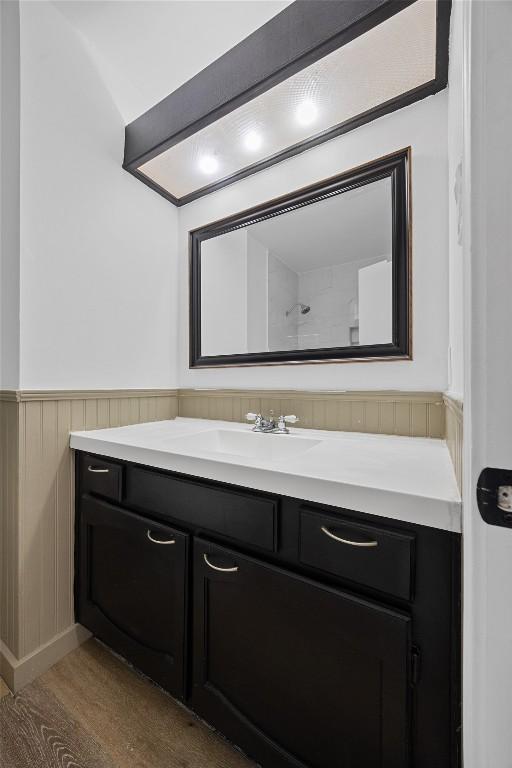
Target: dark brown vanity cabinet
<point>132,590</point>
<point>310,636</point>
<point>298,673</point>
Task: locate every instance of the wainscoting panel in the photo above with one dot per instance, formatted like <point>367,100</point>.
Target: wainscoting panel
<point>9,539</point>
<point>35,427</point>
<point>416,414</point>
<point>454,434</point>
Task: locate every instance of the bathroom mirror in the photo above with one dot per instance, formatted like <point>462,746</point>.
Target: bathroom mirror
<point>319,275</point>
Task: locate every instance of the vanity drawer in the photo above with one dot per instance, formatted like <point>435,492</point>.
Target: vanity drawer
<point>245,517</point>
<point>101,477</point>
<point>366,554</point>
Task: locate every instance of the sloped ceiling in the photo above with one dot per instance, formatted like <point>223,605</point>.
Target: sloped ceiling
<point>145,49</point>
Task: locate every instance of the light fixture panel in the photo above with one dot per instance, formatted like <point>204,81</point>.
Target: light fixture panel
<point>396,57</point>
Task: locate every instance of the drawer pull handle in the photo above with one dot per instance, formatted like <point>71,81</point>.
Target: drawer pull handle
<point>216,567</point>
<point>156,541</point>
<point>98,470</point>
<point>347,541</point>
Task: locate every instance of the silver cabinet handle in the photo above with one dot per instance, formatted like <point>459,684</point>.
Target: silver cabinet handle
<point>347,541</point>
<point>156,541</point>
<point>98,470</point>
<point>216,567</point>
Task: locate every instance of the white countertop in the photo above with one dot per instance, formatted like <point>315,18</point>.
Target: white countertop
<point>405,478</point>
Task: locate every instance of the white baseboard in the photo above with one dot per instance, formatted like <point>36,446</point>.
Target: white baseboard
<point>17,673</point>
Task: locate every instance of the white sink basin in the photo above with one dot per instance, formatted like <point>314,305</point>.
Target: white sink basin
<point>406,478</point>
<point>250,445</point>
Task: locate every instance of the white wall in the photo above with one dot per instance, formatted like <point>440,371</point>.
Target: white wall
<point>424,127</point>
<point>9,195</point>
<point>98,248</point>
<point>224,294</point>
<point>99,296</point>
<point>456,172</point>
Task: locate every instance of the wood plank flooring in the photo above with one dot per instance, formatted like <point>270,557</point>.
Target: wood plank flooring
<point>93,711</point>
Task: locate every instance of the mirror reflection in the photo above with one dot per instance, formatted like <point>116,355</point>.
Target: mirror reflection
<point>319,276</point>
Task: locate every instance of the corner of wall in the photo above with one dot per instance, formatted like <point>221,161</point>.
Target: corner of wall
<point>18,673</point>
<point>9,521</point>
<point>454,433</point>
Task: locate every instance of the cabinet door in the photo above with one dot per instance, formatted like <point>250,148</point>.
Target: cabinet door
<point>131,579</point>
<point>296,673</point>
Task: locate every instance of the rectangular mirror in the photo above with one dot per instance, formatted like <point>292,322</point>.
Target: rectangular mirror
<point>319,275</point>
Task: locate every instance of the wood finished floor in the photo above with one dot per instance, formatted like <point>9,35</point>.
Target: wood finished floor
<point>93,711</point>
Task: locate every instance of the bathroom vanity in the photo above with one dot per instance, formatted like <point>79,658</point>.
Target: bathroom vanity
<point>306,627</point>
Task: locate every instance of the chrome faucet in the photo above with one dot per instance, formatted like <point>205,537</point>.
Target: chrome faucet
<point>262,424</point>
<point>269,425</point>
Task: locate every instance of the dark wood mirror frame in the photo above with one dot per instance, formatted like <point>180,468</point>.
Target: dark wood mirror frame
<point>395,167</point>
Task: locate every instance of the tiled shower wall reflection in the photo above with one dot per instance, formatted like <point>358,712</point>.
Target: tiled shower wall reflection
<point>332,293</point>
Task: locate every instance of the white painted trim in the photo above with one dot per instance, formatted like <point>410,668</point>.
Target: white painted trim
<point>473,579</point>
<point>17,673</point>
<point>487,619</point>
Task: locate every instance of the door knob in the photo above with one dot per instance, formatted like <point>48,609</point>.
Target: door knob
<point>494,496</point>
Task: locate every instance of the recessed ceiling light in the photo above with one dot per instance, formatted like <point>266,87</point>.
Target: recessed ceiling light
<point>253,141</point>
<point>306,113</point>
<point>208,164</point>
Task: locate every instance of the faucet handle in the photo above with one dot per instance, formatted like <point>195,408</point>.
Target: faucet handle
<point>256,417</point>
<point>281,424</point>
